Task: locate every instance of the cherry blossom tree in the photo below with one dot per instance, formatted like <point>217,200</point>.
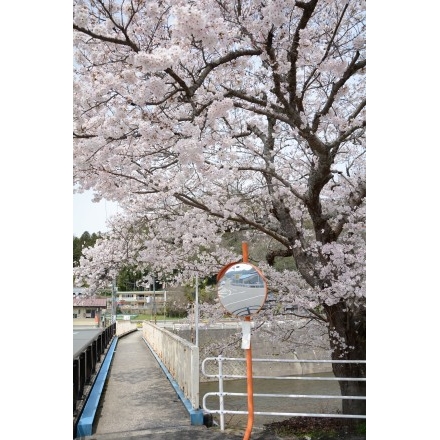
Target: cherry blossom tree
<point>206,118</point>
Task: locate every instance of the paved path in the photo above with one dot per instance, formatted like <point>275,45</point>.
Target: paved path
<point>139,403</point>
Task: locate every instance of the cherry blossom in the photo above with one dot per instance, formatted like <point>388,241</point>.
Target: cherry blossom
<point>212,118</point>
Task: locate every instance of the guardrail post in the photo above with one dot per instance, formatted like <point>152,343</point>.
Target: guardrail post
<point>220,391</point>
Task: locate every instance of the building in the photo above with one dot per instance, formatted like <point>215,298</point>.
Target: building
<point>88,311</point>
<point>142,302</point>
<point>92,310</point>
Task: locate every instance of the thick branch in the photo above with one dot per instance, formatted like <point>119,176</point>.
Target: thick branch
<point>127,42</point>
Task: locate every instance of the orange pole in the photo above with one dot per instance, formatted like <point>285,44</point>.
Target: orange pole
<point>250,389</point>
<point>245,252</point>
<point>250,385</point>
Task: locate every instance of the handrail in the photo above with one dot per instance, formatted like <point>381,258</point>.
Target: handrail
<point>221,394</point>
<point>85,364</point>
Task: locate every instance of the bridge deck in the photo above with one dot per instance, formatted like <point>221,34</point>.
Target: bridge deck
<point>138,401</point>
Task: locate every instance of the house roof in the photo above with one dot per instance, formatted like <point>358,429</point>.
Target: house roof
<point>89,302</point>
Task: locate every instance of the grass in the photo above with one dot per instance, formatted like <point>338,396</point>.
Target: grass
<point>316,428</point>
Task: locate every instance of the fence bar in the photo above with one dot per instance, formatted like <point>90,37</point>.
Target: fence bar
<point>221,394</point>
<point>302,396</point>
<point>304,361</point>
<point>338,379</point>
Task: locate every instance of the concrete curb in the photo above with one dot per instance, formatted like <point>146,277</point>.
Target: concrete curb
<point>85,423</point>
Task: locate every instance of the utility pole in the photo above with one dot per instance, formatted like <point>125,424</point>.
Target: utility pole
<point>196,310</point>
<point>164,305</point>
<point>154,298</point>
<point>114,300</point>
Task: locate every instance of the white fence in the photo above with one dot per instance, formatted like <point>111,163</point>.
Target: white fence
<point>221,376</point>
<point>181,358</point>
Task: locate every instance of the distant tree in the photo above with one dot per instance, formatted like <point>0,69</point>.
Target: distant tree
<point>128,278</point>
<point>79,243</point>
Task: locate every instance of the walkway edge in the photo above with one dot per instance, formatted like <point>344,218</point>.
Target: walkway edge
<point>196,415</point>
<point>85,424</point>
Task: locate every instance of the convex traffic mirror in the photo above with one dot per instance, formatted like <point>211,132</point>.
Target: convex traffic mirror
<point>242,289</point>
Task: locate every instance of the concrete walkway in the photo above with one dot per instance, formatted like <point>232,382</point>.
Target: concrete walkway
<point>139,402</point>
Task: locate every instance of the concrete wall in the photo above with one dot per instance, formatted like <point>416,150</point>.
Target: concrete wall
<point>179,356</point>
<point>261,349</point>
<point>85,322</point>
<point>123,327</point>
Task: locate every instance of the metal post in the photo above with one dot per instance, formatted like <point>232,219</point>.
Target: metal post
<point>113,300</point>
<point>164,305</point>
<point>154,298</point>
<point>250,389</point>
<point>220,393</point>
<point>245,251</point>
<point>250,386</point>
<point>196,310</point>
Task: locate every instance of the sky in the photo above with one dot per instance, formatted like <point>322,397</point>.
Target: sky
<point>91,216</point>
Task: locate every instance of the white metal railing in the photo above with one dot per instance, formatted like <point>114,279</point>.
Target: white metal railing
<point>221,394</point>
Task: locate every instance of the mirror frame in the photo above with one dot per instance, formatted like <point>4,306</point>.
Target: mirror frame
<point>222,274</point>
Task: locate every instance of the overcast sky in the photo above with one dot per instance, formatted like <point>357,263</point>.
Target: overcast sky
<point>90,216</point>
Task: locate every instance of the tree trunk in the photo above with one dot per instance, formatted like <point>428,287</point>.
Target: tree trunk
<point>351,328</point>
